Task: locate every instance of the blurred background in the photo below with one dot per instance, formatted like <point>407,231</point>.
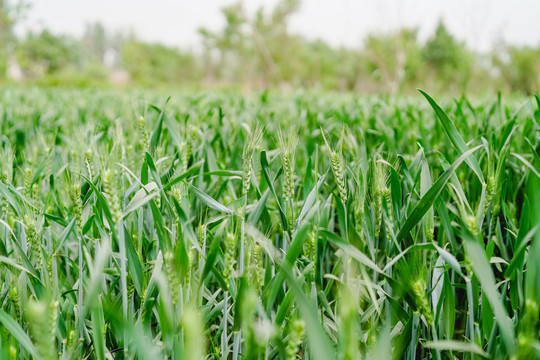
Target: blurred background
<point>383,46</point>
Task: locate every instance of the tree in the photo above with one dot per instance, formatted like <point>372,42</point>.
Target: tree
<point>152,64</point>
<point>95,39</point>
<point>276,48</point>
<point>232,45</point>
<point>520,68</point>
<point>10,13</point>
<point>448,58</point>
<point>46,53</point>
<point>394,58</point>
<point>253,50</point>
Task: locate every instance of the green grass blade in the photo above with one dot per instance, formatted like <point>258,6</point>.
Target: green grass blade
<point>320,346</point>
<point>454,136</point>
<point>211,202</point>
<point>453,345</point>
<point>431,195</point>
<point>98,334</point>
<point>485,276</point>
<point>154,140</point>
<point>15,329</point>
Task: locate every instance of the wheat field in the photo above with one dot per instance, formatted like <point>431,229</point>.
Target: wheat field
<point>219,225</point>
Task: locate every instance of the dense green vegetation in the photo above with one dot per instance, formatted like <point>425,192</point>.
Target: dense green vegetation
<point>306,225</point>
<point>257,51</point>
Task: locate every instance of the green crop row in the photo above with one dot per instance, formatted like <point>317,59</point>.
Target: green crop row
<point>268,226</point>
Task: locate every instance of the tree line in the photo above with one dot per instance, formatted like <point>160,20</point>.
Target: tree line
<point>258,51</point>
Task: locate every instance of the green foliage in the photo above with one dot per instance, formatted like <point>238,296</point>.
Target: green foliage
<point>46,53</point>
<point>154,63</point>
<point>521,69</point>
<point>11,12</point>
<point>394,60</point>
<point>351,227</point>
<point>448,58</point>
<point>256,50</point>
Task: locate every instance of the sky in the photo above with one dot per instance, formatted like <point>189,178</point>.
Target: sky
<point>480,23</point>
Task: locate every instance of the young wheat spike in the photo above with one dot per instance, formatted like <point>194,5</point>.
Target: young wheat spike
<point>247,157</point>
<point>421,300</point>
<point>15,301</point>
<point>413,275</point>
<point>230,254</point>
<point>287,149</point>
<point>111,192</point>
<point>112,195</point>
<point>75,195</point>
<point>185,154</point>
<point>310,250</point>
<point>36,198</point>
<point>6,167</point>
<point>32,238</point>
<point>27,183</point>
<point>256,266</point>
<point>359,204</point>
<point>380,191</point>
<point>387,195</point>
<point>338,169</point>
<point>89,164</point>
<point>145,136</point>
<point>172,276</point>
<point>42,316</point>
<point>177,195</point>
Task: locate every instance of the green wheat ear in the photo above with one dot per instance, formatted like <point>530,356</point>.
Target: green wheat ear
<point>42,316</point>
<point>33,239</point>
<point>76,201</point>
<point>201,234</point>
<point>89,164</point>
<point>287,150</point>
<point>247,157</point>
<point>413,280</point>
<point>173,277</point>
<point>145,135</point>
<point>111,193</point>
<point>256,266</point>
<point>359,205</point>
<point>338,169</point>
<point>230,255</point>
<point>27,183</point>
<point>6,165</point>
<point>15,301</point>
<point>380,191</point>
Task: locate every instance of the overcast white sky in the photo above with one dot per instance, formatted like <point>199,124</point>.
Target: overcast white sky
<point>340,22</point>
